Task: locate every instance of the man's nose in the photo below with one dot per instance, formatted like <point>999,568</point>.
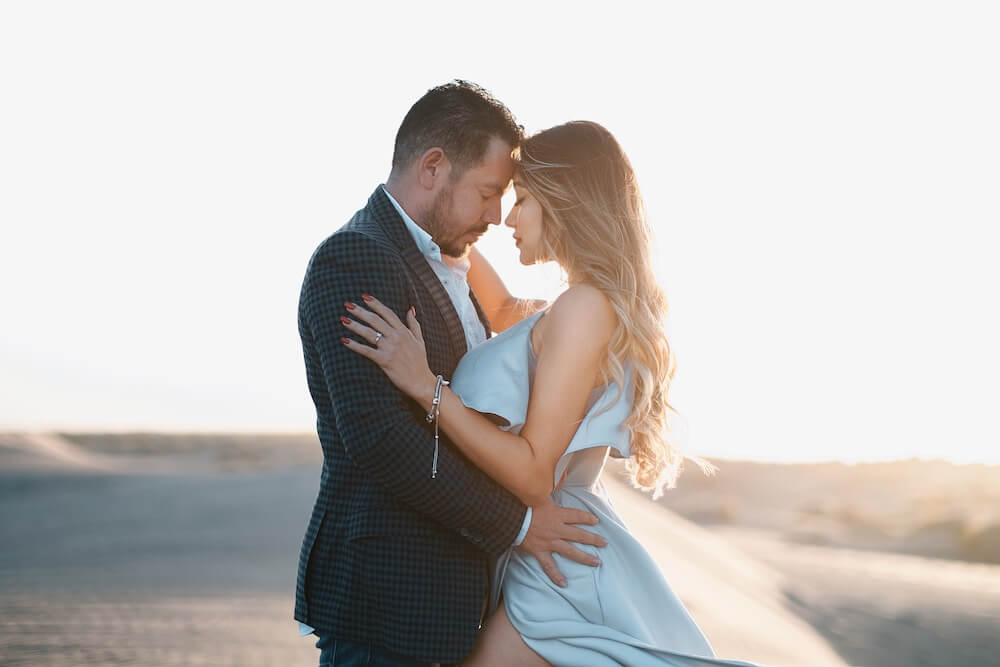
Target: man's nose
<point>493,215</point>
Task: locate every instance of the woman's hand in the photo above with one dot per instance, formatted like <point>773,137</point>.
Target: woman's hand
<point>400,350</point>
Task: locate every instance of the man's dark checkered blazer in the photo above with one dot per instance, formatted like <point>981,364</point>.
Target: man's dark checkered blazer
<point>391,556</point>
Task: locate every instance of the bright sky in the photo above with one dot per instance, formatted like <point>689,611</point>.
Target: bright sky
<point>823,179</point>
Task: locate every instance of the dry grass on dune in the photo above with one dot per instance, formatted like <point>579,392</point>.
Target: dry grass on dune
<point>926,508</point>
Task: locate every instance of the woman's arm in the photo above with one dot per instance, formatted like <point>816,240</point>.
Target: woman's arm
<point>566,373</point>
<point>502,309</point>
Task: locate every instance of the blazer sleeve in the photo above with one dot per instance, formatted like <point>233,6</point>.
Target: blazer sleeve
<point>375,419</point>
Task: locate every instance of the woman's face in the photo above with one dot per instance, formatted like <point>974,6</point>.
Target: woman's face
<point>526,221</point>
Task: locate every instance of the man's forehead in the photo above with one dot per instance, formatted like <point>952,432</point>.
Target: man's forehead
<point>493,176</point>
<point>497,186</point>
<point>494,170</point>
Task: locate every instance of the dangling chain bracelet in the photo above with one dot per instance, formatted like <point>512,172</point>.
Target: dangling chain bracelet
<point>432,416</point>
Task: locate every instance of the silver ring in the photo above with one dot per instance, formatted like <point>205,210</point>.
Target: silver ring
<point>378,337</point>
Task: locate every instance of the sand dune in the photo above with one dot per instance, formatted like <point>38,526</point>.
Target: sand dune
<point>133,550</point>
<point>48,450</point>
<point>926,508</point>
<point>872,607</point>
<point>738,601</point>
<point>53,451</point>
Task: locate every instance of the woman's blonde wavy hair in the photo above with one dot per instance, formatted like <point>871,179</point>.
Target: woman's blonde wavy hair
<point>595,227</point>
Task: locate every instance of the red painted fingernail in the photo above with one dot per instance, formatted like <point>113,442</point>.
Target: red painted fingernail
<point>345,320</point>
<point>345,341</point>
<point>349,305</point>
<point>366,297</point>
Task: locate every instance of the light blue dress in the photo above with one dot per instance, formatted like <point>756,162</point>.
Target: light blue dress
<point>622,612</point>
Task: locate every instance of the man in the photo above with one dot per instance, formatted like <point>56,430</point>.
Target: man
<point>395,561</point>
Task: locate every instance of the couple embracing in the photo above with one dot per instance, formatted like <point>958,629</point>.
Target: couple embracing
<point>461,516</point>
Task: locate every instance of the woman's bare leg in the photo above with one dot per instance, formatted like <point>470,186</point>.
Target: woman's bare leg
<point>501,645</point>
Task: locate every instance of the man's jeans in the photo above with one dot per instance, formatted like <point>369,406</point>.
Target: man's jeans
<point>340,653</point>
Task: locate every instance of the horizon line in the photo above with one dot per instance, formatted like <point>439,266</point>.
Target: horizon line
<point>298,432</point>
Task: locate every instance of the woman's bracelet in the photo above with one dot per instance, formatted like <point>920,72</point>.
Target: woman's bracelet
<point>436,401</point>
<point>432,416</point>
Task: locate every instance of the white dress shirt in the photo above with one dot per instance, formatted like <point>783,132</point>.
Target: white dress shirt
<point>452,272</point>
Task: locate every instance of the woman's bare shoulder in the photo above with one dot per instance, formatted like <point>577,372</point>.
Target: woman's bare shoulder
<point>583,314</point>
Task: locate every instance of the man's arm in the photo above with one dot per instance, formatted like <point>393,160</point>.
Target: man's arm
<point>375,419</point>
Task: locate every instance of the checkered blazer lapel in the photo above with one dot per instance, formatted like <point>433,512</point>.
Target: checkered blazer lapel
<point>392,224</point>
<point>482,315</point>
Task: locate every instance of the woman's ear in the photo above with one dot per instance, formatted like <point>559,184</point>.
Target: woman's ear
<point>432,167</point>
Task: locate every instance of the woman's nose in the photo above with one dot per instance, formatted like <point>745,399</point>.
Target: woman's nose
<point>511,219</point>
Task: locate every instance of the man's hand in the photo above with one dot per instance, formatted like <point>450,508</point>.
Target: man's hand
<point>552,531</point>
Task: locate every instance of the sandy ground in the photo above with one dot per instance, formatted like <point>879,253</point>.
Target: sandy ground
<point>138,558</point>
<point>105,567</point>
<point>890,610</point>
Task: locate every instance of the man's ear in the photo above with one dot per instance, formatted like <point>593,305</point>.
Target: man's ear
<point>432,167</point>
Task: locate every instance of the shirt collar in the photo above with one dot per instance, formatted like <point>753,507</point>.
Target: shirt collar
<point>425,244</point>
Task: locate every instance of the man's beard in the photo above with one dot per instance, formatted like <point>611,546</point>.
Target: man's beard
<point>436,222</point>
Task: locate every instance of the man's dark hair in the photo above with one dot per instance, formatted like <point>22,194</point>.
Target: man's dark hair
<point>460,118</point>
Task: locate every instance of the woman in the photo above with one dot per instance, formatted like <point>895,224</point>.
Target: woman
<point>540,407</point>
